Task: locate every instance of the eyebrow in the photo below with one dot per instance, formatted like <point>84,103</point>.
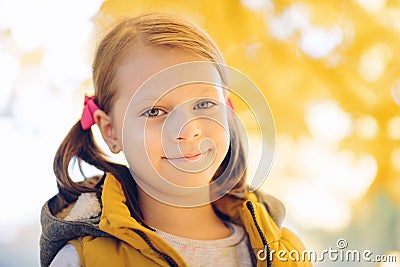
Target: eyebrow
<point>209,87</point>
<point>150,97</point>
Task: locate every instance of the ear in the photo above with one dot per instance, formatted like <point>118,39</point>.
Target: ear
<point>105,125</point>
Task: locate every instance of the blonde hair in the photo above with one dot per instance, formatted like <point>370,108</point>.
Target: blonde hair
<point>149,30</point>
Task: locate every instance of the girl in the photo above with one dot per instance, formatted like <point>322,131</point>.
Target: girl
<point>125,217</point>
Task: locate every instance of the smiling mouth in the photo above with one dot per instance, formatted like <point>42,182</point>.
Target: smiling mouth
<point>190,157</point>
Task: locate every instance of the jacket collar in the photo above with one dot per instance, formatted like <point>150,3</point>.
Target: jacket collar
<point>116,220</point>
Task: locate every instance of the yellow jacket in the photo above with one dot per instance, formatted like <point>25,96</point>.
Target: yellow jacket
<point>132,244</point>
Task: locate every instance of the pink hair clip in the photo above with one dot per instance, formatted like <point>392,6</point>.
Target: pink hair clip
<point>87,119</point>
<point>229,103</point>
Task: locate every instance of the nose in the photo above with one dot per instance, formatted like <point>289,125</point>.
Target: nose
<point>181,125</point>
<point>189,131</point>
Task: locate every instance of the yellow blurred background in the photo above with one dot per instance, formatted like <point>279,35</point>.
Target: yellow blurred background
<point>330,71</point>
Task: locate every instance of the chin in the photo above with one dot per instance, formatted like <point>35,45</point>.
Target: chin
<point>189,179</point>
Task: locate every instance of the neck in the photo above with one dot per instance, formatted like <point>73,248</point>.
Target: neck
<point>191,222</point>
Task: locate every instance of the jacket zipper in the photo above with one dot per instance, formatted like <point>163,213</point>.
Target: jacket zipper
<point>250,207</point>
<point>170,260</point>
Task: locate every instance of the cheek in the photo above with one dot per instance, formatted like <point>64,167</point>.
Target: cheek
<point>152,142</point>
<point>223,145</point>
<point>220,135</point>
<point>141,149</point>
<point>217,130</point>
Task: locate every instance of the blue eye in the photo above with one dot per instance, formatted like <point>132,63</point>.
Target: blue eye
<point>204,105</point>
<point>154,112</point>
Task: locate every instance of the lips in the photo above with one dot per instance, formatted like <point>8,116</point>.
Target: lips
<point>192,156</point>
<point>188,156</point>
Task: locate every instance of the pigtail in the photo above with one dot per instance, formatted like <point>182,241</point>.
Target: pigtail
<point>79,145</point>
<point>74,145</point>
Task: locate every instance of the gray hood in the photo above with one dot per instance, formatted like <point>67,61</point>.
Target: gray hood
<point>57,232</point>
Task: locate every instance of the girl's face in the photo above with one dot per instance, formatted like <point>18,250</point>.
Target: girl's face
<point>179,135</point>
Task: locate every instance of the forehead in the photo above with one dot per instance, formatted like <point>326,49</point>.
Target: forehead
<point>166,67</point>
<point>137,67</point>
